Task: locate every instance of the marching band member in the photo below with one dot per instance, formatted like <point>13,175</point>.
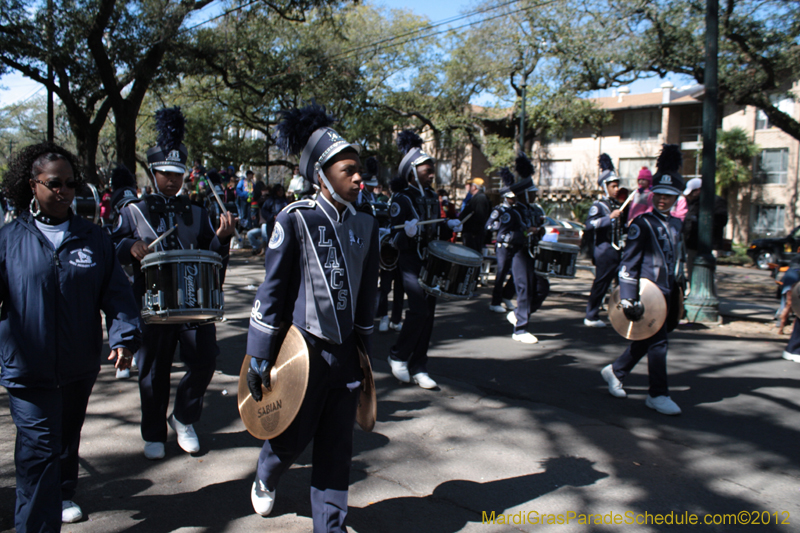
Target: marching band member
<point>606,222</point>
<point>418,202</point>
<point>503,290</point>
<point>391,278</point>
<point>523,225</point>
<point>142,222</point>
<point>370,176</point>
<point>58,271</point>
<point>652,252</point>
<point>321,276</point>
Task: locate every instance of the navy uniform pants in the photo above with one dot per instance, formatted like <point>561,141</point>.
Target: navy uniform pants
<point>388,279</point>
<point>327,416</point>
<point>531,289</point>
<point>606,261</point>
<point>656,350</point>
<point>794,341</point>
<point>503,289</point>
<point>49,423</point>
<point>198,351</point>
<point>415,336</point>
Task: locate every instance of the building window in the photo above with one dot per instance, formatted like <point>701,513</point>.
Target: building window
<point>641,125</point>
<point>767,219</point>
<point>783,103</point>
<point>444,172</point>
<point>628,170</point>
<point>772,166</point>
<point>556,174</point>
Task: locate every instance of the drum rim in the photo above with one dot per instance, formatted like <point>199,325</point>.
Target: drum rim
<point>175,256</point>
<point>443,245</point>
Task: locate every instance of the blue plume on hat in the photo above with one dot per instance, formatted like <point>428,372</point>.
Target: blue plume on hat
<point>372,166</point>
<point>407,140</point>
<point>171,127</point>
<point>670,159</point>
<point>122,177</point>
<point>507,177</point>
<point>523,166</point>
<point>605,162</point>
<point>296,126</point>
<point>398,184</point>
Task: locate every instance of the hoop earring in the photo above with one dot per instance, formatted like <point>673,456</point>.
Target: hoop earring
<point>35,204</point>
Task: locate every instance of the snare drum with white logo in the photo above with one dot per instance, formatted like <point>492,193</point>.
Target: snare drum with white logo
<point>182,286</point>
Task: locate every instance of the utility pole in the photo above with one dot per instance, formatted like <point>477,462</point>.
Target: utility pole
<point>50,113</point>
<point>702,304</point>
<point>522,117</point>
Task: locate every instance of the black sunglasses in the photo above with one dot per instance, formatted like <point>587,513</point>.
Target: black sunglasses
<point>57,184</point>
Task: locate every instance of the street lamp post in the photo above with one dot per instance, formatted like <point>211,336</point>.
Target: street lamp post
<point>702,304</point>
<point>522,118</point>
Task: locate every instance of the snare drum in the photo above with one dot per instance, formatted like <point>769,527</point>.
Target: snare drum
<point>182,286</point>
<point>450,270</point>
<point>555,259</point>
<point>86,203</point>
<point>388,255</point>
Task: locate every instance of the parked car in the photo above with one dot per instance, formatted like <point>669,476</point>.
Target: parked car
<point>778,250</point>
<point>564,233</point>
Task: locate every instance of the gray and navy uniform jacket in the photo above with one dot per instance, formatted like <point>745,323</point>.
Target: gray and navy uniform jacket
<point>601,225</point>
<point>409,205</point>
<point>154,214</point>
<point>653,251</point>
<point>51,330</point>
<point>509,222</point>
<point>321,276</point>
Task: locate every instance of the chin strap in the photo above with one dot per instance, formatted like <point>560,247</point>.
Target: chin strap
<point>334,194</point>
<point>416,183</point>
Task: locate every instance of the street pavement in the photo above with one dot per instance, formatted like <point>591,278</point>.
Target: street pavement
<point>514,429</point>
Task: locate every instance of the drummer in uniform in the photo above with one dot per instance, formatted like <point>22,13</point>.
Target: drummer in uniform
<point>518,227</point>
<point>503,291</point>
<point>418,202</point>
<point>607,223</point>
<point>142,222</point>
<point>321,276</point>
<point>652,252</point>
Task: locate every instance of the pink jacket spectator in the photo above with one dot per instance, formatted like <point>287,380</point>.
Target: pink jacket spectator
<point>642,201</point>
<point>679,209</point>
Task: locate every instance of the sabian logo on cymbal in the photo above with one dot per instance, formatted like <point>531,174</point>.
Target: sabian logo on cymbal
<point>270,408</point>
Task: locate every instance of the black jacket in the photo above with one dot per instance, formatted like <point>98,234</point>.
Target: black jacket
<point>481,207</point>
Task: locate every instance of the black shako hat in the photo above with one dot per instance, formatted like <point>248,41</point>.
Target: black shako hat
<point>607,173</point>
<point>525,170</point>
<point>169,154</point>
<point>307,131</point>
<point>410,145</point>
<point>667,179</point>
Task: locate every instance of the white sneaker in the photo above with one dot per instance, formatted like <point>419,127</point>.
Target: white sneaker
<point>497,308</point>
<point>70,512</point>
<point>187,438</point>
<point>384,325</point>
<point>400,370</point>
<point>511,317</point>
<point>262,499</point>
<point>614,384</point>
<point>154,450</point>
<point>791,357</point>
<point>525,338</point>
<point>133,363</point>
<point>396,327</point>
<point>663,404</point>
<point>594,323</point>
<point>123,374</point>
<point>424,380</point>
<point>509,304</point>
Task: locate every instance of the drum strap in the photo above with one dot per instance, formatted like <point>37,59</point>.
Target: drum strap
<point>158,206</point>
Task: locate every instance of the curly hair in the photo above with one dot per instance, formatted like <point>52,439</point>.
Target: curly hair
<point>29,163</point>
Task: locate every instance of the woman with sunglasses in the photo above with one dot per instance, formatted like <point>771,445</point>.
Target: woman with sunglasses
<point>57,272</point>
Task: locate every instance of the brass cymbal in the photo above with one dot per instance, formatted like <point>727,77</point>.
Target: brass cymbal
<point>655,312</point>
<point>288,382</point>
<point>368,401</point>
<point>796,299</point>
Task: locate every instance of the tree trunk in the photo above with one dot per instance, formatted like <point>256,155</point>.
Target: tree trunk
<point>125,132</point>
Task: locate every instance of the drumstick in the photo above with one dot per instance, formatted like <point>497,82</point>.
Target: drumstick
<point>162,237</point>
<point>399,226</point>
<point>221,205</point>
<point>622,208</point>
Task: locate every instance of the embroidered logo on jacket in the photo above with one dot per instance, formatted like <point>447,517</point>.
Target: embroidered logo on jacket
<point>354,239</point>
<point>83,258</point>
<point>277,236</point>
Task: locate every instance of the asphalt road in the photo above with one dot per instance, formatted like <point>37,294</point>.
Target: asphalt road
<point>514,429</point>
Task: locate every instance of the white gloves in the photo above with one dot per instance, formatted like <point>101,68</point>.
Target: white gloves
<point>455,224</point>
<point>410,227</point>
